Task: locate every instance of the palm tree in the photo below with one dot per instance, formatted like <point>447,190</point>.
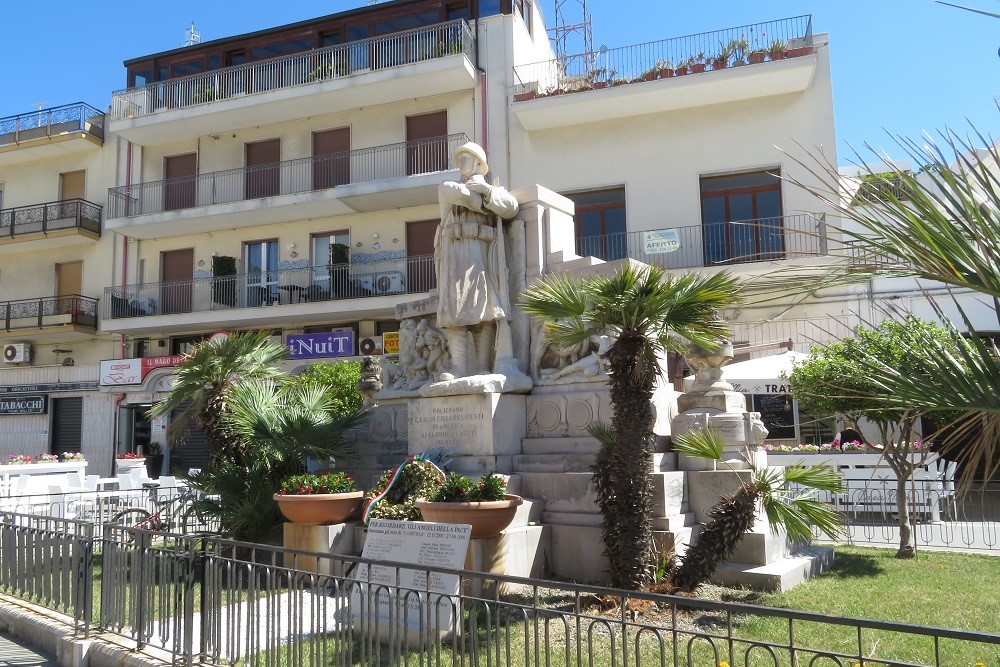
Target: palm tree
<point>644,311</point>
<point>733,516</point>
<point>203,382</point>
<point>945,229</point>
<point>278,427</point>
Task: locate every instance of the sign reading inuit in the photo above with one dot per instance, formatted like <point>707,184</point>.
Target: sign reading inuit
<point>421,598</point>
<point>660,241</point>
<point>321,345</point>
<point>23,405</point>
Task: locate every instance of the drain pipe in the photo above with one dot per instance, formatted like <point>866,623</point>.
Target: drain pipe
<point>484,119</point>
<point>124,266</point>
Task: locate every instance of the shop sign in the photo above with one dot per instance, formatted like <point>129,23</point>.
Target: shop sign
<point>23,405</point>
<point>390,342</point>
<point>45,387</point>
<point>321,345</point>
<point>125,372</point>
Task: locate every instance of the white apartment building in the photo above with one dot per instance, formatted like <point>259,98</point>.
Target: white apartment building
<point>286,179</point>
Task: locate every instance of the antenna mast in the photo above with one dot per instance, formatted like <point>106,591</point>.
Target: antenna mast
<point>573,41</point>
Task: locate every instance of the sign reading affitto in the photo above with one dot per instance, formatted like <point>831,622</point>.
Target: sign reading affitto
<point>390,342</point>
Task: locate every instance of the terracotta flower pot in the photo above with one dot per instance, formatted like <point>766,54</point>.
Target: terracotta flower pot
<point>320,508</point>
<point>487,518</point>
<point>798,52</point>
<point>755,58</point>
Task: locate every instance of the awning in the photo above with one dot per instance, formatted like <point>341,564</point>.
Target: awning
<point>761,375</point>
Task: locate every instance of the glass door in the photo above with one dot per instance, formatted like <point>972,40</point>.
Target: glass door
<point>262,273</point>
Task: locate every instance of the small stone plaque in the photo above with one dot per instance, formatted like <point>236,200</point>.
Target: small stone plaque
<point>473,425</point>
<point>404,598</point>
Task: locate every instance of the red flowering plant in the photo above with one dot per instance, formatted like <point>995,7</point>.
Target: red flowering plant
<point>129,456</point>
<point>304,485</point>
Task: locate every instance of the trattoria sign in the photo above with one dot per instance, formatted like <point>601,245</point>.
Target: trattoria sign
<point>23,405</point>
<point>125,372</point>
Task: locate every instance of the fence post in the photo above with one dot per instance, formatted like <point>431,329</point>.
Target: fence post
<point>83,603</point>
<point>143,542</point>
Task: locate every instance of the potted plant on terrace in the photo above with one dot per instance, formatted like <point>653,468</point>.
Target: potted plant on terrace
<point>699,63</point>
<point>778,50</point>
<point>721,59</point>
<point>319,499</point>
<point>756,56</point>
<point>484,505</point>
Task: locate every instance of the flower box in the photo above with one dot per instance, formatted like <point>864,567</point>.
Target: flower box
<point>320,508</point>
<point>488,518</point>
<point>126,466</point>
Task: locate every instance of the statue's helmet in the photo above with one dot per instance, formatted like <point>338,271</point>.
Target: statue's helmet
<point>476,151</point>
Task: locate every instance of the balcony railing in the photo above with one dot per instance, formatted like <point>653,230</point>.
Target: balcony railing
<point>271,288</point>
<point>50,217</point>
<point>377,53</point>
<point>281,178</point>
<point>765,239</point>
<point>49,311</point>
<point>52,122</point>
<point>678,56</point>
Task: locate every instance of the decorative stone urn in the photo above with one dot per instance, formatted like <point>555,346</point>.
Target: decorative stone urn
<point>370,382</point>
<point>488,518</point>
<point>320,508</point>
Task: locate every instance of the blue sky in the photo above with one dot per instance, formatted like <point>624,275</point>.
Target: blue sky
<point>907,66</point>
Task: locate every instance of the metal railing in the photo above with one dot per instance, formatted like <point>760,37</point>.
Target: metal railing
<point>50,217</point>
<point>308,174</point>
<point>666,58</point>
<point>761,240</point>
<point>51,122</point>
<point>308,67</point>
<point>48,311</point>
<point>271,288</point>
<point>208,600</point>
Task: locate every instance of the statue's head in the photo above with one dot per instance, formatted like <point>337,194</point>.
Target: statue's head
<point>471,159</point>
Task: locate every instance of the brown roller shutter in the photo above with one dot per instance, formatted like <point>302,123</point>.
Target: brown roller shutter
<point>181,172</point>
<point>332,160</point>
<point>427,142</point>
<point>263,177</point>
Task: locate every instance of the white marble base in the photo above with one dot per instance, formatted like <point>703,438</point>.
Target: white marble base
<point>477,425</point>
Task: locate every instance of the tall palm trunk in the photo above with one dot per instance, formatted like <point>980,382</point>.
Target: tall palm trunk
<point>621,471</point>
<point>730,518</point>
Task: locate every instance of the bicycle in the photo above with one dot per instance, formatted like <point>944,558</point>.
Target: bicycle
<point>180,511</point>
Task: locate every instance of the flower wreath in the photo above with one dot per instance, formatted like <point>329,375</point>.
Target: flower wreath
<point>393,495</point>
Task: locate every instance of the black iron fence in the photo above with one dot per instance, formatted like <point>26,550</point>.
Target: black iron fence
<point>711,244</point>
<point>50,217</point>
<point>678,56</point>
<point>209,600</point>
<point>272,288</point>
<point>308,174</point>
<point>78,117</point>
<point>49,311</point>
<point>309,67</point>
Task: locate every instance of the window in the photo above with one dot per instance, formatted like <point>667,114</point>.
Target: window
<point>262,273</point>
<point>186,344</point>
<point>280,49</point>
<point>741,218</point>
<point>454,12</point>
<point>488,7</point>
<point>330,256</point>
<point>600,223</point>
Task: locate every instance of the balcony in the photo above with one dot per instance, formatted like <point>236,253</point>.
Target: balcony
<point>362,180</point>
<point>50,132</point>
<point>66,317</point>
<point>50,225</point>
<point>306,295</point>
<point>721,244</point>
<point>424,62</point>
<point>719,67</point>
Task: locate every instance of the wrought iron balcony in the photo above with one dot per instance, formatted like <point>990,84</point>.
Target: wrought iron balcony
<point>668,58</point>
<point>282,178</point>
<point>50,311</point>
<point>309,67</point>
<point>716,244</point>
<point>52,122</point>
<point>57,216</point>
<point>313,284</point>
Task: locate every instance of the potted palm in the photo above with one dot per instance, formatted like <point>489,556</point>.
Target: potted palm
<point>756,55</point>
<point>319,499</point>
<point>778,50</point>
<point>484,505</point>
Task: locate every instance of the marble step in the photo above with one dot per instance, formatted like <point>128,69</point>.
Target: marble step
<point>582,444</point>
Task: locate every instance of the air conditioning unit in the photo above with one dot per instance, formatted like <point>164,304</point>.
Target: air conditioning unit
<point>370,345</point>
<point>16,353</point>
<point>390,282</point>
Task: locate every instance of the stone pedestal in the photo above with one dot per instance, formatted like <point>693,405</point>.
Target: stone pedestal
<point>517,552</point>
<point>485,430</point>
<point>337,538</point>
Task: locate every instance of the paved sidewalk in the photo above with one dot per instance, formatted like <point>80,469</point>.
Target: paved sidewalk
<point>13,653</point>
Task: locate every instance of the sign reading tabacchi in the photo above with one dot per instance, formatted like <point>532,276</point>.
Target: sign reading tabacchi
<point>23,405</point>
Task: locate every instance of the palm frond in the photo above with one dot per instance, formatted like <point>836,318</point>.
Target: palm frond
<point>602,432</point>
<point>701,443</point>
<point>819,477</point>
